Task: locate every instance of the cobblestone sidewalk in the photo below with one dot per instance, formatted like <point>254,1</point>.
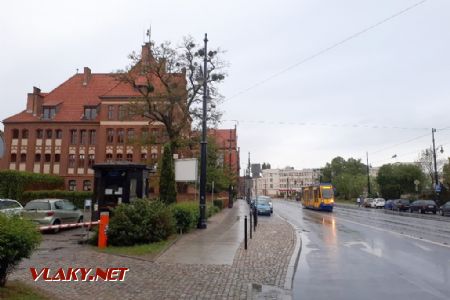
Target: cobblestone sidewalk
<point>258,272</point>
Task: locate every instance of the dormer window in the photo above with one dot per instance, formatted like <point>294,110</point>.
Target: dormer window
<point>90,112</point>
<point>49,112</point>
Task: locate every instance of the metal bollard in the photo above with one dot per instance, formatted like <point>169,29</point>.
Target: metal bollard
<point>250,224</point>
<point>255,219</point>
<point>245,232</point>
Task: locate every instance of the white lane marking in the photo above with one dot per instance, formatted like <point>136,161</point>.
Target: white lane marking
<point>366,248</point>
<point>396,233</point>
<point>422,247</point>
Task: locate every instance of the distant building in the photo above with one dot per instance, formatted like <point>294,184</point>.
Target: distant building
<point>287,181</point>
<point>2,147</point>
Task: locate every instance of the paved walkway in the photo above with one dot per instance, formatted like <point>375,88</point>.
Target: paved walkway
<point>257,273</point>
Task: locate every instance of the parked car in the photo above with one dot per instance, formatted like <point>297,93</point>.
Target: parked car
<point>445,209</point>
<point>401,205</point>
<point>10,207</point>
<point>367,202</point>
<point>263,207</point>
<point>52,212</point>
<point>389,204</point>
<point>268,199</point>
<point>423,206</point>
<point>378,202</point>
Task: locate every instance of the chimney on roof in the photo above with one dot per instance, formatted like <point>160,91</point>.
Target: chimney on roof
<point>86,75</point>
<point>34,102</point>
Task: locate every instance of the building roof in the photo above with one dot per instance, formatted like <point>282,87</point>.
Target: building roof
<point>71,97</point>
<point>223,136</point>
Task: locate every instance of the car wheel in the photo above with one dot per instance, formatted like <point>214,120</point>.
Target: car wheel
<point>410,210</point>
<point>434,212</point>
<point>442,213</point>
<point>56,222</point>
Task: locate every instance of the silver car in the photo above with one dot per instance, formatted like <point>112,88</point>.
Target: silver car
<point>10,207</point>
<point>52,212</point>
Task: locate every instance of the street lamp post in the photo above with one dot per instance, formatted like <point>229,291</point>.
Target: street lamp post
<point>436,178</point>
<point>202,219</point>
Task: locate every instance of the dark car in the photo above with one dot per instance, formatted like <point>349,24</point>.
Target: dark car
<point>423,206</point>
<point>389,204</point>
<point>445,209</point>
<point>400,205</point>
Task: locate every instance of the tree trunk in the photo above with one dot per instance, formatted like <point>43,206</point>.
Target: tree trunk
<point>3,275</point>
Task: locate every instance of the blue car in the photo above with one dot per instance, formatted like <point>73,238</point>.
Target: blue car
<point>263,207</point>
<point>389,204</point>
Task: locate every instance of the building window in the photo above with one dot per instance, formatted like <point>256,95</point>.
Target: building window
<point>154,156</point>
<point>90,113</point>
<point>47,158</point>
<point>23,157</point>
<point>15,133</point>
<point>92,137</point>
<point>13,157</point>
<point>122,112</point>
<point>129,157</point>
<point>155,132</point>
<point>144,134</point>
<point>109,157</point>
<point>72,185</point>
<point>144,157</point>
<point>119,156</point>
<point>48,134</point>
<point>86,185</point>
<point>25,133</point>
<point>73,137</point>
<point>49,112</point>
<point>71,160</point>
<point>91,160</point>
<point>120,136</point>
<point>58,134</point>
<point>37,157</point>
<point>81,161</point>
<point>39,134</point>
<point>130,135</point>
<point>83,137</point>
<point>110,135</point>
<point>57,158</point>
<point>110,112</point>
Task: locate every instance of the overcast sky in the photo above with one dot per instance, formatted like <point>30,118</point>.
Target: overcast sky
<point>371,93</point>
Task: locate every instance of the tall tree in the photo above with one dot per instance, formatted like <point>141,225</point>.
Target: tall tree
<point>167,184</point>
<point>426,160</point>
<point>168,88</point>
<point>397,179</point>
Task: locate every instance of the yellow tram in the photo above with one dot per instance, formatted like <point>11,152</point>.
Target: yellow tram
<point>319,196</point>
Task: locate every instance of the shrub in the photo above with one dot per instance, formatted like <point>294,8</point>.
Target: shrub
<point>76,197</point>
<point>18,239</point>
<point>14,183</point>
<point>186,215</point>
<point>212,210</point>
<point>218,203</point>
<point>167,185</point>
<point>140,222</point>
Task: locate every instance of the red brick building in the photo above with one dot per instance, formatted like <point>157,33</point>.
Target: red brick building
<point>87,120</point>
<point>83,121</point>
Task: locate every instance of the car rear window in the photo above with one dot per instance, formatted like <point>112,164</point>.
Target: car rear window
<point>429,202</point>
<point>39,205</point>
<point>8,204</point>
<point>403,201</point>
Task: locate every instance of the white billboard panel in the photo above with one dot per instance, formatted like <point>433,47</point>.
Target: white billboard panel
<point>186,169</point>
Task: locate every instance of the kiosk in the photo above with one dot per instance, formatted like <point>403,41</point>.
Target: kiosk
<point>116,183</point>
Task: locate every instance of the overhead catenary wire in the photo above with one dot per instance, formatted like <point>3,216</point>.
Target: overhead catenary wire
<point>325,50</point>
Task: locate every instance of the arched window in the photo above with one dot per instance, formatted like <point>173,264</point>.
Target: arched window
<point>48,134</point>
<point>109,157</point>
<point>39,134</point>
<point>130,157</point>
<point>23,157</point>
<point>86,185</point>
<point>58,134</point>
<point>13,157</point>
<point>72,185</point>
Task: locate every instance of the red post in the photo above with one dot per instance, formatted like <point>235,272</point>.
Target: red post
<point>102,230</point>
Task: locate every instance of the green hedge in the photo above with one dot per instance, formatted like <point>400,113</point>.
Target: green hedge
<point>186,215</point>
<point>14,183</point>
<point>140,222</point>
<point>76,197</point>
<point>218,203</point>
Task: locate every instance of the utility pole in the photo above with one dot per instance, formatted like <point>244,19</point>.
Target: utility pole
<point>248,179</point>
<point>368,175</point>
<point>436,177</point>
<point>202,219</point>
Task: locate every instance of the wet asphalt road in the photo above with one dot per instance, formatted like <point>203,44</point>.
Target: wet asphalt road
<point>368,254</point>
